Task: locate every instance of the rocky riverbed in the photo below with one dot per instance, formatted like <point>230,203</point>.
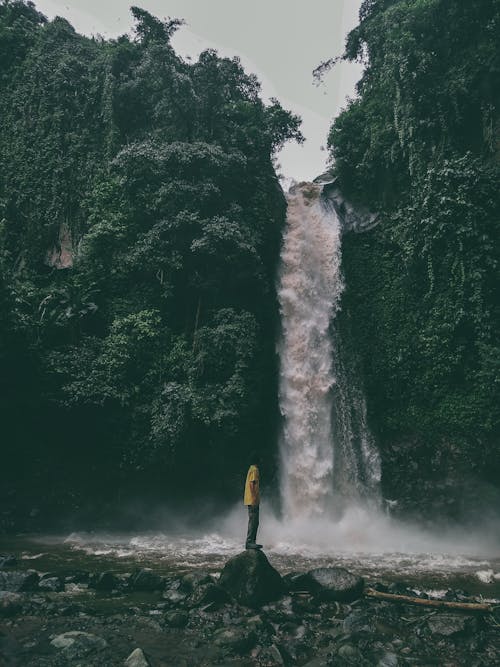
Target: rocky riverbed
<point>247,615</point>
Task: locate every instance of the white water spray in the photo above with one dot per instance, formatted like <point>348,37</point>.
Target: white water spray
<point>326,451</point>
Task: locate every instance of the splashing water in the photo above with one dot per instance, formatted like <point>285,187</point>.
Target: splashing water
<point>327,454</point>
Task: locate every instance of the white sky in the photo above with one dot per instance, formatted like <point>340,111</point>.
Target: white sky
<point>281,41</point>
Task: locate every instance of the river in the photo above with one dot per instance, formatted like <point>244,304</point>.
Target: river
<point>375,546</point>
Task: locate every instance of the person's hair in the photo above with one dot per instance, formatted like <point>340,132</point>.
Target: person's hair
<point>254,458</point>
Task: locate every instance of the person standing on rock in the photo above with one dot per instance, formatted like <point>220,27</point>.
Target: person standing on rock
<point>252,501</point>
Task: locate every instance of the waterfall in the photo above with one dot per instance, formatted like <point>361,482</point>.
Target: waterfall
<point>327,454</point>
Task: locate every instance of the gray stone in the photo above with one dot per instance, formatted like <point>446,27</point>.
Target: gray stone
<point>146,580</point>
<point>296,581</point>
<point>335,583</point>
<point>137,659</point>
<point>176,619</point>
<point>235,639</point>
<point>10,603</point>
<point>192,580</point>
<point>7,561</point>
<point>388,660</point>
<point>77,577</point>
<point>76,644</point>
<point>51,584</point>
<point>207,593</point>
<point>350,654</point>
<point>276,655</point>
<point>251,579</point>
<point>319,661</point>
<point>271,655</point>
<point>174,596</point>
<point>105,581</point>
<point>18,582</point>
<point>357,622</point>
<point>448,625</point>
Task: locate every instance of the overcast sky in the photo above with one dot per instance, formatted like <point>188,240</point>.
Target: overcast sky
<point>281,41</point>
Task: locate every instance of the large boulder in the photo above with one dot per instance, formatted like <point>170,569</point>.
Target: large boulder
<point>334,583</point>
<point>251,579</point>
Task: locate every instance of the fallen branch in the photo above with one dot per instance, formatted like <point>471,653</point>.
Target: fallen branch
<point>440,604</point>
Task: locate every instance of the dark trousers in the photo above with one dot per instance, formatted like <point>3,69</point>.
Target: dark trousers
<point>253,523</point>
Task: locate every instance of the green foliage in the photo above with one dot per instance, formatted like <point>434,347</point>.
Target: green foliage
<point>420,143</point>
<point>156,176</point>
<point>430,88</point>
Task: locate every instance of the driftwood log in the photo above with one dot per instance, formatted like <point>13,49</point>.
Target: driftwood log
<point>439,604</point>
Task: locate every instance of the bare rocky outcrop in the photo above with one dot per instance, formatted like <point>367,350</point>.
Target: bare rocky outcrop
<point>353,217</point>
<point>60,256</point>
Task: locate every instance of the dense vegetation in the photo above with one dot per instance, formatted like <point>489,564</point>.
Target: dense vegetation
<point>140,222</point>
<point>420,143</point>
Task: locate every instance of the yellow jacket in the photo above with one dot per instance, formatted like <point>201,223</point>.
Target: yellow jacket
<point>252,493</point>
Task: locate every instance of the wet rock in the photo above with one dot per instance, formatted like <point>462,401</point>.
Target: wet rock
<point>76,644</point>
<point>176,619</point>
<point>251,579</point>
<point>319,661</point>
<point>350,655</point>
<point>145,579</point>
<point>449,625</point>
<point>206,594</point>
<point>193,579</point>
<point>377,586</point>
<point>10,603</point>
<point>304,604</point>
<point>358,621</point>
<point>457,595</point>
<point>234,639</point>
<point>137,659</point>
<point>77,577</point>
<point>295,649</point>
<point>398,588</point>
<point>335,583</point>
<point>388,660</point>
<point>19,581</point>
<point>104,581</point>
<point>271,655</point>
<point>296,581</point>
<point>7,561</point>
<point>51,584</point>
<point>173,595</point>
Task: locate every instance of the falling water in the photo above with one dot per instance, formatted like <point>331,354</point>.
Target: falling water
<point>326,450</point>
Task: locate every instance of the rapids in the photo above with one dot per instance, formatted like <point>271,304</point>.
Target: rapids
<point>372,545</point>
